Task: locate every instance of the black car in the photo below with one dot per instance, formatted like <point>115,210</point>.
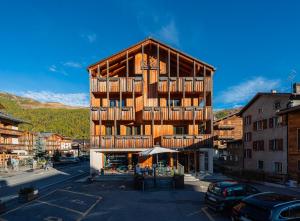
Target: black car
<point>266,207</point>
<point>222,196</point>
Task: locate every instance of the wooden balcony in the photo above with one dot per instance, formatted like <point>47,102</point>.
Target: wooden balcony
<point>12,132</point>
<point>181,84</point>
<point>5,147</point>
<point>122,142</point>
<point>224,137</point>
<point>224,127</point>
<point>182,141</point>
<point>176,113</point>
<point>117,85</point>
<point>113,113</point>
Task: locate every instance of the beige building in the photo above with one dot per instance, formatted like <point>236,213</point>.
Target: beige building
<point>265,134</point>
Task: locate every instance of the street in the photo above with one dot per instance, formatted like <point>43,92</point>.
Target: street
<point>115,199</point>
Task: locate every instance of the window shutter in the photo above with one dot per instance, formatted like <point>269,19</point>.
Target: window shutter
<point>270,144</point>
<point>271,125</point>
<point>250,136</point>
<point>255,125</point>
<point>280,144</point>
<point>265,123</point>
<point>254,145</point>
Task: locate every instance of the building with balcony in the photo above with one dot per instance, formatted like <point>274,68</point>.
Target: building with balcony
<point>228,128</point>
<point>147,95</point>
<point>9,133</point>
<point>27,140</point>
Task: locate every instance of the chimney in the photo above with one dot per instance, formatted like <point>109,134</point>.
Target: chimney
<point>296,88</point>
<point>273,91</point>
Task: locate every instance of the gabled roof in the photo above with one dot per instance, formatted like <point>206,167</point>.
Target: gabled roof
<point>227,116</point>
<point>258,95</point>
<point>289,110</point>
<point>7,117</point>
<point>147,41</point>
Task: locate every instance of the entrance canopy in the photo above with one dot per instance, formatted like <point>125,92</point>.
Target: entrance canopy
<point>156,150</point>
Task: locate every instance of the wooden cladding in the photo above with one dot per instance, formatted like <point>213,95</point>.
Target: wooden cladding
<point>181,141</point>
<point>176,113</point>
<point>113,113</point>
<point>122,142</point>
<point>183,84</point>
<point>12,132</point>
<point>4,147</point>
<point>117,85</point>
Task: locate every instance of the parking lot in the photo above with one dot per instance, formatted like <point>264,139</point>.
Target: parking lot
<point>115,200</point>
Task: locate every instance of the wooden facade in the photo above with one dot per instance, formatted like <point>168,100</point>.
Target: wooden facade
<point>226,129</point>
<point>292,118</point>
<point>9,133</point>
<point>151,94</point>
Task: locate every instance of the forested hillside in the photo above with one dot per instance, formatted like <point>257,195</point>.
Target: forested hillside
<point>50,117</point>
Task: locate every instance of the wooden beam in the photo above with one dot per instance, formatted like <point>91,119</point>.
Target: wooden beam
<point>107,83</point>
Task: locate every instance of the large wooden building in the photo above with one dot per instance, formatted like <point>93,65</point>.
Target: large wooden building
<point>147,95</point>
<point>228,128</point>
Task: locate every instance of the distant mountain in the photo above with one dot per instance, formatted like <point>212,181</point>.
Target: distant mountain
<point>54,117</point>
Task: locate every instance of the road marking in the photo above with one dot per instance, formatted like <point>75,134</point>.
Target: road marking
<point>23,205</point>
<point>61,207</point>
<point>53,218</point>
<point>84,194</point>
<point>204,210</point>
<point>89,209</point>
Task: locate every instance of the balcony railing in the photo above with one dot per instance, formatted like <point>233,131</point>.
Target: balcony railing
<point>224,127</point>
<point>181,141</point>
<point>5,146</point>
<point>181,84</point>
<point>112,113</point>
<point>122,142</point>
<point>224,137</point>
<point>176,113</point>
<point>8,131</point>
<point>117,84</point>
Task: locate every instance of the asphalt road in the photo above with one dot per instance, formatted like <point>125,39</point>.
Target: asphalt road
<point>114,200</point>
<point>41,179</point>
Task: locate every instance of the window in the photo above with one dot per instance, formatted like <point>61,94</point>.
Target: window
<point>277,105</point>
<point>116,103</point>
<point>276,145</point>
<point>260,125</point>
<point>278,167</point>
<point>260,110</point>
<point>108,130</point>
<point>298,138</point>
<point>260,165</point>
<point>174,103</point>
<point>128,130</point>
<point>248,137</point>
<point>137,130</point>
<point>248,153</point>
<point>179,130</point>
<point>201,129</point>
<point>292,212</point>
<point>271,122</point>
<point>258,145</point>
<point>247,120</point>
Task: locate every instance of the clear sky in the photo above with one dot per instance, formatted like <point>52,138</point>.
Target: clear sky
<point>46,45</point>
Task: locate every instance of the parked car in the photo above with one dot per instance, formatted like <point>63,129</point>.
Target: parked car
<point>223,195</point>
<point>266,207</point>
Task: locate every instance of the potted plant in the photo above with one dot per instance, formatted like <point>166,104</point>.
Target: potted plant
<point>2,207</point>
<point>178,180</point>
<point>27,194</point>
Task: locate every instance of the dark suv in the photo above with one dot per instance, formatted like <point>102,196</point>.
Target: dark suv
<point>266,207</point>
<point>222,196</point>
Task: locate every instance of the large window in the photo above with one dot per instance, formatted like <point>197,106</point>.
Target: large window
<point>276,145</point>
<point>248,153</point>
<point>260,165</point>
<point>175,103</point>
<point>108,130</point>
<point>247,120</point>
<point>248,137</point>
<point>137,130</point>
<point>179,130</point>
<point>128,130</point>
<point>278,167</point>
<point>258,145</point>
<point>116,103</point>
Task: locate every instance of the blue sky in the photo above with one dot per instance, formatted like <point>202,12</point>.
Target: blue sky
<point>45,46</point>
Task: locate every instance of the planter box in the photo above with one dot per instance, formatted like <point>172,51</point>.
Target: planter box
<point>178,181</point>
<point>2,207</point>
<point>26,197</point>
